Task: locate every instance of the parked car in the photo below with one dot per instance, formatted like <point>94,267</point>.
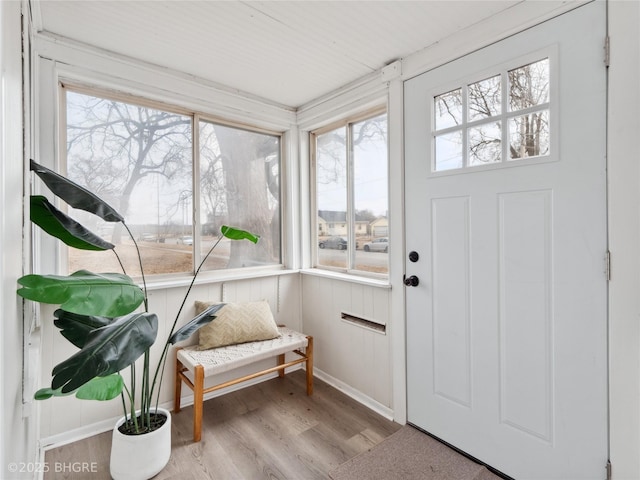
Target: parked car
<point>185,240</point>
<point>334,242</point>
<point>147,237</point>
<point>377,245</point>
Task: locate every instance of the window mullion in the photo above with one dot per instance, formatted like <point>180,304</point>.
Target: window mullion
<point>197,228</point>
<point>350,214</point>
<point>315,221</point>
<point>465,126</point>
<point>504,116</point>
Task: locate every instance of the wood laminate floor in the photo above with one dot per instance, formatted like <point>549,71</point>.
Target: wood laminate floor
<point>271,430</point>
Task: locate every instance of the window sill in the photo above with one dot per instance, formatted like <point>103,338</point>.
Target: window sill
<point>222,276</point>
<point>217,276</point>
<point>347,277</point>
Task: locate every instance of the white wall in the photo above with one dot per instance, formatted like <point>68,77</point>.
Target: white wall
<point>624,238</point>
<point>18,427</point>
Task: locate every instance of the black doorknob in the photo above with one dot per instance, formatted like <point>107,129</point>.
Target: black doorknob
<point>411,281</point>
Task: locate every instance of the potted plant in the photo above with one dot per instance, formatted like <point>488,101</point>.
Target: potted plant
<point>100,314</point>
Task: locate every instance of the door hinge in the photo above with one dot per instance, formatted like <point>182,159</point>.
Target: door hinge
<point>608,467</point>
<point>607,51</point>
<point>607,265</point>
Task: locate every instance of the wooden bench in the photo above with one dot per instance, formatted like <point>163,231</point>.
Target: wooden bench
<point>205,363</point>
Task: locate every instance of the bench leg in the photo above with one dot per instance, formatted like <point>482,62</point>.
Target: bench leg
<point>178,385</point>
<point>309,365</point>
<point>198,393</point>
<point>280,362</point>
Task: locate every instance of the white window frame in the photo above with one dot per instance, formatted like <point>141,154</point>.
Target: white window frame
<point>195,116</point>
<point>346,121</point>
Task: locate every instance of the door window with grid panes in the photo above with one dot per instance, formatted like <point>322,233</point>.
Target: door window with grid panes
<point>495,120</point>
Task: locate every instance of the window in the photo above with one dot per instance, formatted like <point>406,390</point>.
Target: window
<point>142,159</point>
<point>351,194</point>
<point>495,120</point>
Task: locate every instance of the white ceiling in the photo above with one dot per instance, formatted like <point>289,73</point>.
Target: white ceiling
<point>289,52</point>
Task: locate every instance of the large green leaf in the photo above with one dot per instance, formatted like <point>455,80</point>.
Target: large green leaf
<point>195,324</point>
<point>76,328</point>
<point>59,225</point>
<point>83,292</point>
<point>108,350</point>
<point>46,393</point>
<point>101,388</point>
<point>98,388</point>
<point>237,234</point>
<point>75,195</point>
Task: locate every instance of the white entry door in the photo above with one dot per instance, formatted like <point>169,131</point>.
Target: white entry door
<point>506,208</point>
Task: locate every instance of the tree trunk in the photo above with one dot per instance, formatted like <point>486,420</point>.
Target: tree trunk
<point>247,197</point>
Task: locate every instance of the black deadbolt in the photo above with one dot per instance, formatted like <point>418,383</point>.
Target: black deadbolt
<point>413,256</point>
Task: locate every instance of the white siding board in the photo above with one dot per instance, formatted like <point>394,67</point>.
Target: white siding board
<point>47,363</point>
<point>64,413</point>
<point>91,412</point>
<point>350,354</point>
<point>381,366</point>
<point>289,312</point>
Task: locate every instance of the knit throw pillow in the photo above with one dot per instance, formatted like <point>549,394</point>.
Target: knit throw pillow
<point>237,323</point>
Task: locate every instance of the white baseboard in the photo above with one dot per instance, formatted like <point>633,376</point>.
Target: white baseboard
<point>58,440</point>
<point>70,436</point>
<point>357,395</point>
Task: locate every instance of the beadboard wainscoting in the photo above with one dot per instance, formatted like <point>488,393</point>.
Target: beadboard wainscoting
<point>351,357</point>
<point>347,353</point>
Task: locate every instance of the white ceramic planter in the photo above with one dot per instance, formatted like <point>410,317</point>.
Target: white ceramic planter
<point>140,457</point>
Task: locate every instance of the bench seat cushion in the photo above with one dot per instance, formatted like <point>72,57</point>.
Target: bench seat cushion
<point>222,359</point>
